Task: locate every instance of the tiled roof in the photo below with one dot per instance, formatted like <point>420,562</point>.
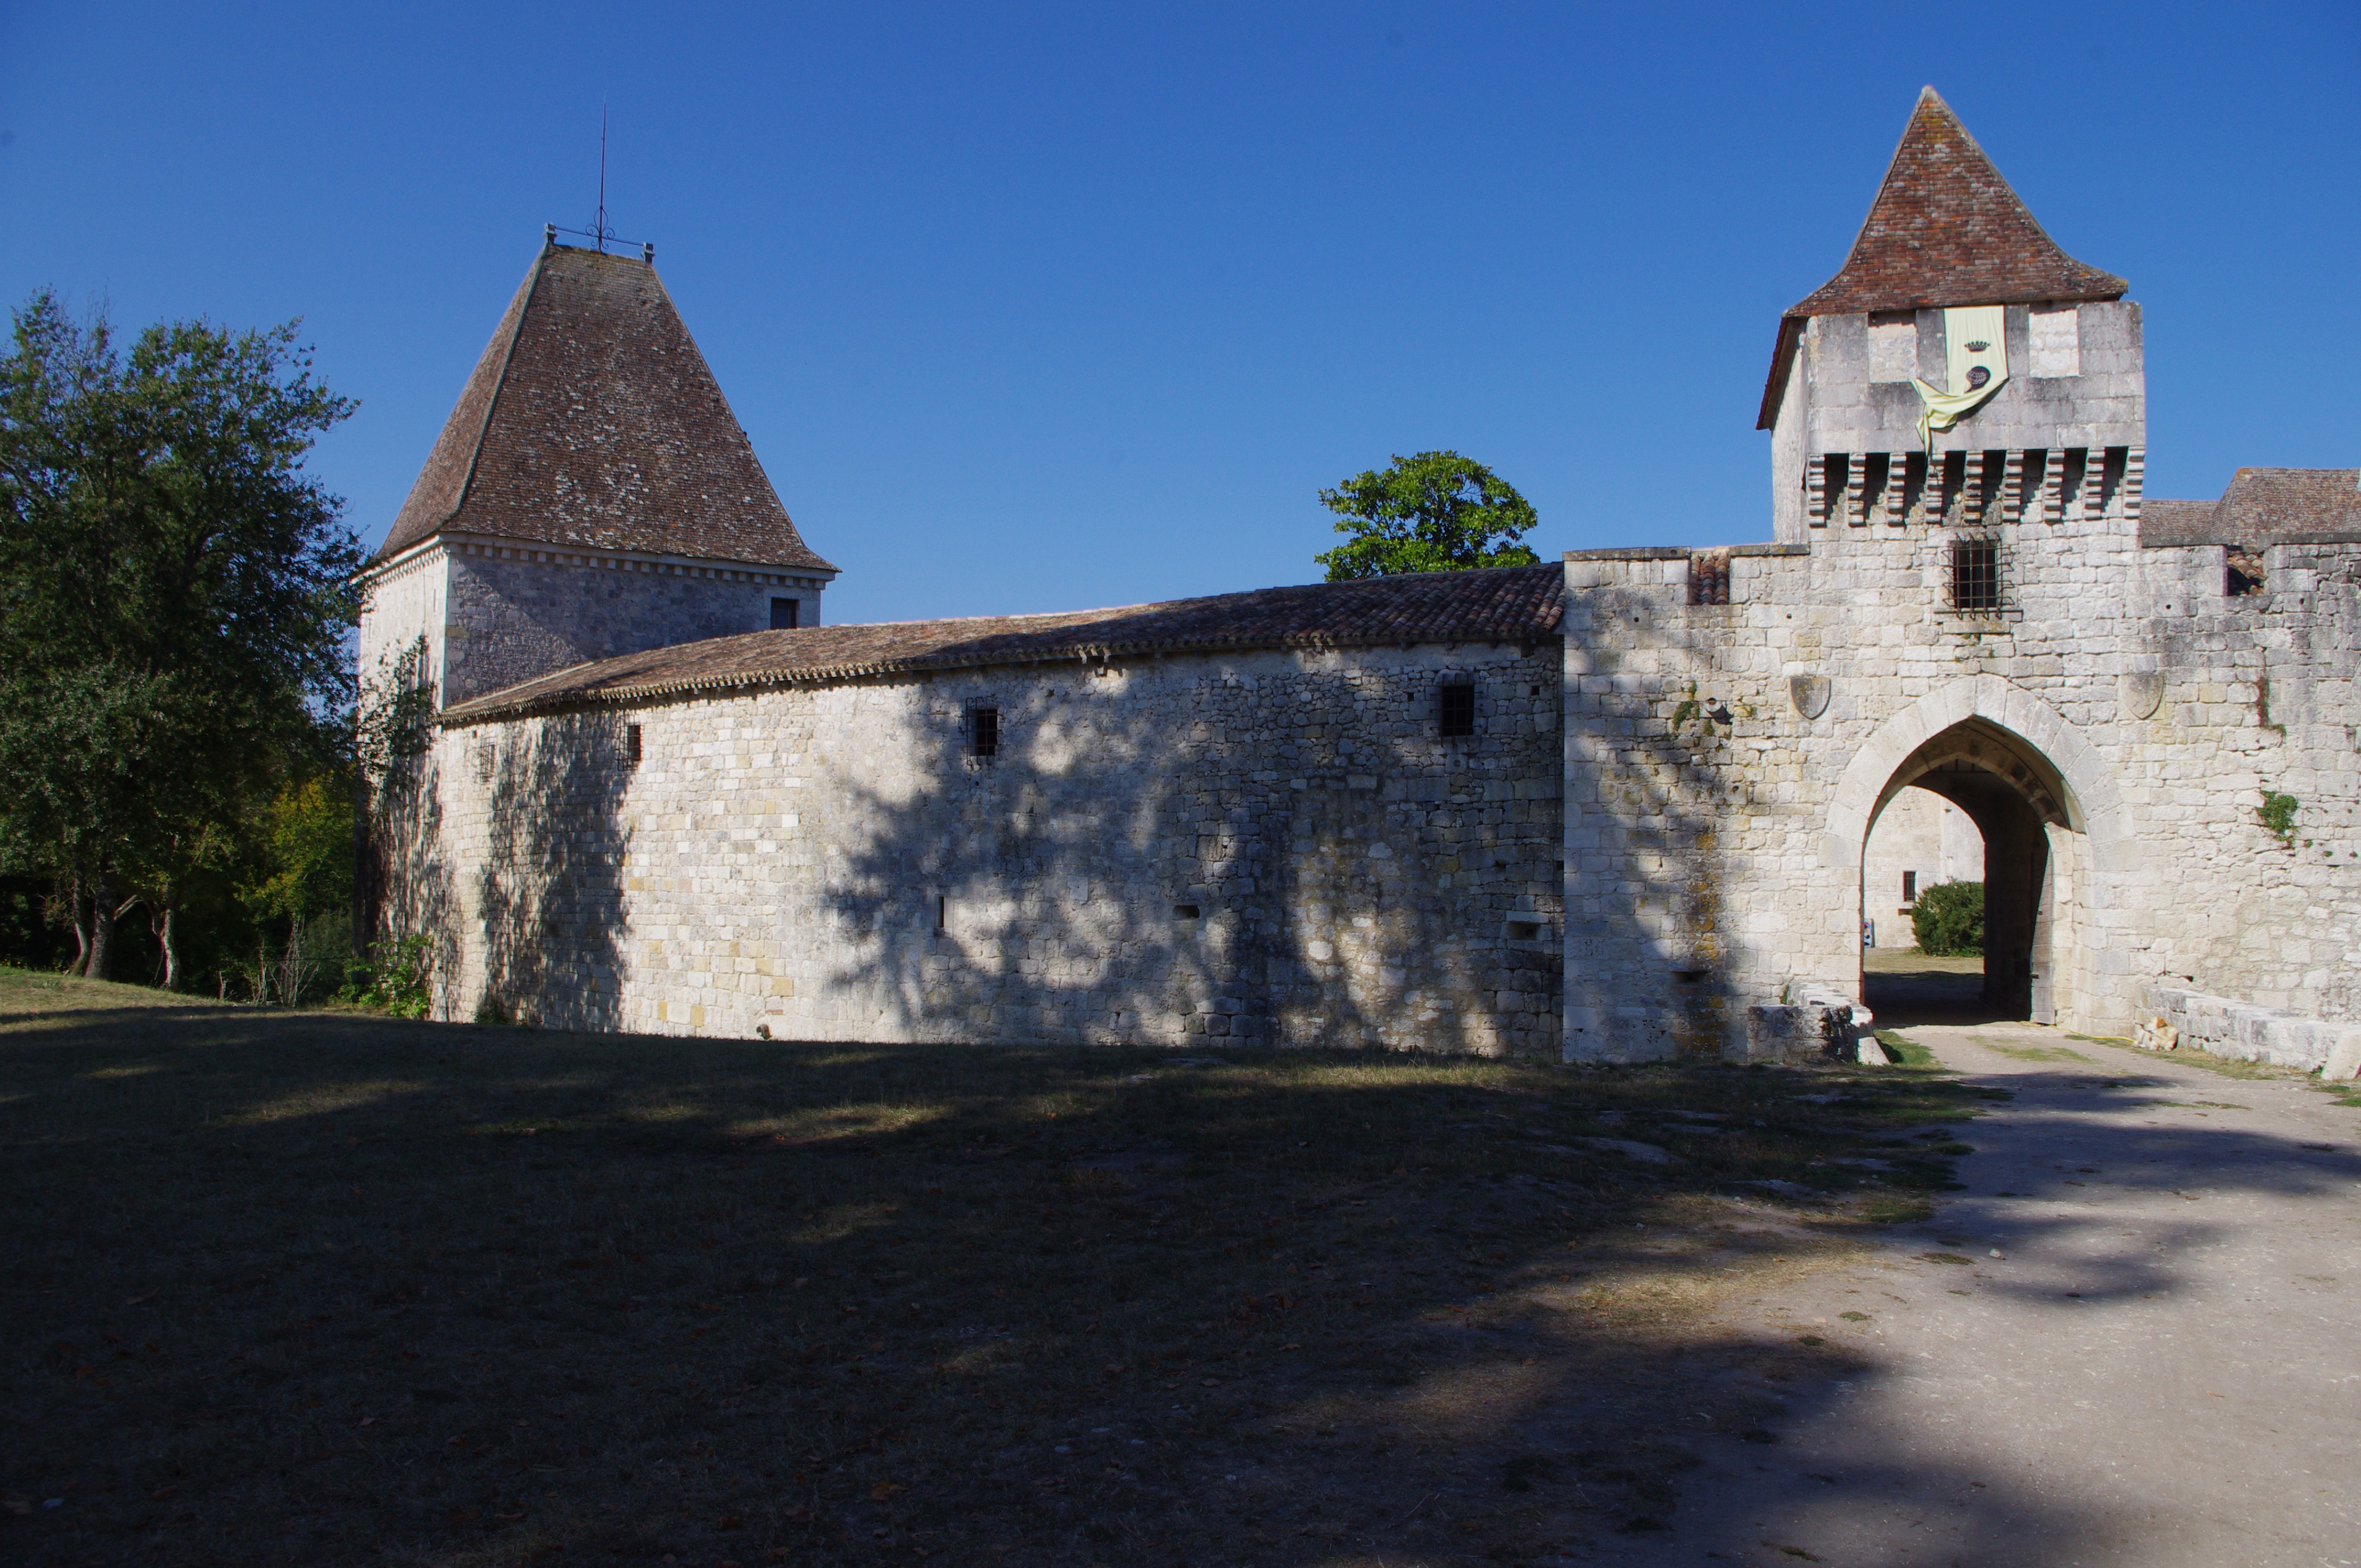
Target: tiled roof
<point>592,421</point>
<point>2261,505</point>
<point>1945,230</point>
<point>1512,604</point>
<point>2164,523</point>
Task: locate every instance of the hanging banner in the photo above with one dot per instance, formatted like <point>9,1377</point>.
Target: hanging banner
<point>1975,361</point>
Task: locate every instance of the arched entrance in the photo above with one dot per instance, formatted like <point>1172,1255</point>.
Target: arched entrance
<point>2016,799</point>
<point>2061,851</point>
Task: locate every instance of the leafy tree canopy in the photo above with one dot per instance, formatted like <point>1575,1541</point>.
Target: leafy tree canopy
<point>175,594</point>
<point>1434,512</point>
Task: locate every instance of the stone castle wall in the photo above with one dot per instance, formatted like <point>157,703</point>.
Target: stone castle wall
<point>1270,848</point>
<point>1715,829</point>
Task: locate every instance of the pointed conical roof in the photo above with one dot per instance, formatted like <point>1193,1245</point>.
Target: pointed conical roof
<point>593,423</point>
<point>1947,230</point>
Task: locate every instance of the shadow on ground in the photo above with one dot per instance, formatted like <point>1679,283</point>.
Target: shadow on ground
<point>328,1288</point>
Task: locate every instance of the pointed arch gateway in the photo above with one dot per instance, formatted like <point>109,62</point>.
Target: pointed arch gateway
<point>2060,850</point>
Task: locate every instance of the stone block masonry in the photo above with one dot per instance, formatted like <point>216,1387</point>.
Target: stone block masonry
<point>1266,847</point>
<point>2119,725</point>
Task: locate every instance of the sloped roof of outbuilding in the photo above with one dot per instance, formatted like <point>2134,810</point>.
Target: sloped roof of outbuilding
<point>1945,229</point>
<point>2262,506</point>
<point>592,421</point>
<point>1512,603</point>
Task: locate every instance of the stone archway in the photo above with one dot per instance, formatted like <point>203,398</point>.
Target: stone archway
<point>2059,850</point>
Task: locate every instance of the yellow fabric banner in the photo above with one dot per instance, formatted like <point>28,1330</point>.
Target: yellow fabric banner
<point>1973,341</point>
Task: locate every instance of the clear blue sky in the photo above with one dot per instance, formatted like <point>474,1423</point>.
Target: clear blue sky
<point>1037,308</point>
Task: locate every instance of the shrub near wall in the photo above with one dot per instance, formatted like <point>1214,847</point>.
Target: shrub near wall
<point>1949,918</point>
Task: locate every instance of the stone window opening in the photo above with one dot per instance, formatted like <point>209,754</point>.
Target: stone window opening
<point>1185,911</point>
<point>632,743</point>
<point>983,727</point>
<point>1973,574</point>
<point>2242,572</point>
<point>1909,887</point>
<point>1455,708</point>
<point>784,613</point>
<point>942,912</point>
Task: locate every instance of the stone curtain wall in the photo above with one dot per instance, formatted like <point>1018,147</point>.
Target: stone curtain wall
<point>519,611</point>
<point>781,859</point>
<point>2261,695</point>
<point>1713,863</point>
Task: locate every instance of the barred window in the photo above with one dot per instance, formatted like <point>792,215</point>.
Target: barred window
<point>1975,585</point>
<point>631,742</point>
<point>983,729</point>
<point>1457,708</point>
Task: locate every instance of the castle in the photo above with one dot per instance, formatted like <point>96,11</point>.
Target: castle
<point>1610,809</point>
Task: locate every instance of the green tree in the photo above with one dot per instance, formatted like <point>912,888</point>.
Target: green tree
<point>1947,919</point>
<point>175,594</point>
<point>1434,512</point>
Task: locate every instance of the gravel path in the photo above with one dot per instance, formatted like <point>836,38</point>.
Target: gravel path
<point>2135,1338</point>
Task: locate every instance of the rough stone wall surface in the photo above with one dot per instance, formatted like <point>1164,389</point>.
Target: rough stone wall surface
<point>517,611</point>
<point>1266,848</point>
<point>1714,831</point>
<point>404,605</point>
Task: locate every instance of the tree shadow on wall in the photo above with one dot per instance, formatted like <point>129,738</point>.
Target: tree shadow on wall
<point>405,884</point>
<point>550,886</point>
<point>1675,798</point>
<point>1106,878</point>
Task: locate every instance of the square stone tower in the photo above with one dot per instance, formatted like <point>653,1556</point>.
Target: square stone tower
<point>590,496</point>
<point>1960,367</point>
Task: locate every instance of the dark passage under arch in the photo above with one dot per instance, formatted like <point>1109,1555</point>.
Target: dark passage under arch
<point>2016,799</point>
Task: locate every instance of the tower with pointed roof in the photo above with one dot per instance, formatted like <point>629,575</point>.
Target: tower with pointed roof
<point>1959,367</point>
<point>590,496</point>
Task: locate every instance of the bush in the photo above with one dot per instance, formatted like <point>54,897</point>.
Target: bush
<point>1949,918</point>
<point>397,982</point>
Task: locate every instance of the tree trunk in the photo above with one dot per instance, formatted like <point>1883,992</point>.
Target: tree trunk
<point>100,950</point>
<point>160,920</point>
<point>77,907</point>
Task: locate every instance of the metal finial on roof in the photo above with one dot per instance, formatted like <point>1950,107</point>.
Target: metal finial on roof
<point>648,253</point>
<point>549,233</point>
<point>598,224</point>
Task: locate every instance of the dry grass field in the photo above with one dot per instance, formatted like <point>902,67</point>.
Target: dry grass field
<point>322,1288</point>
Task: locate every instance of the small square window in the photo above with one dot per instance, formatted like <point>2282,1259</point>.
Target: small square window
<point>1976,575</point>
<point>1455,712</point>
<point>783,613</point>
<point>983,730</point>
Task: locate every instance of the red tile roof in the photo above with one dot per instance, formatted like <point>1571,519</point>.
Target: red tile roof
<point>1945,230</point>
<point>1512,603</point>
<point>2260,506</point>
<point>592,421</point>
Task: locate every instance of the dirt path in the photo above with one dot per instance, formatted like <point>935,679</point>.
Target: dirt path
<point>2135,1338</point>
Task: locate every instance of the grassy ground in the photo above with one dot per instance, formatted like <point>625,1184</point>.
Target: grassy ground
<point>1910,961</point>
<point>324,1287</point>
